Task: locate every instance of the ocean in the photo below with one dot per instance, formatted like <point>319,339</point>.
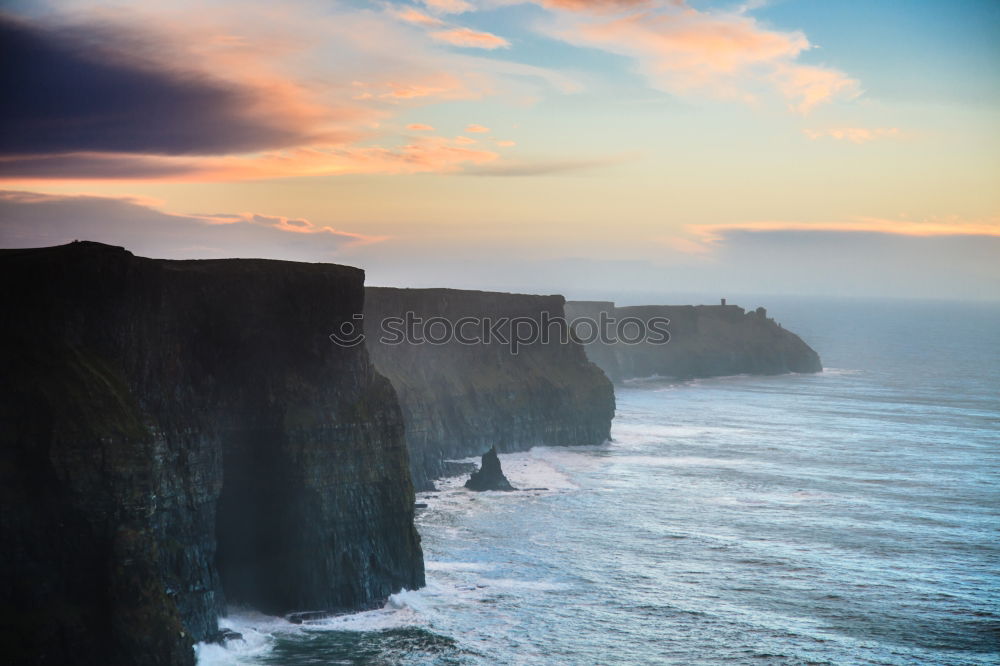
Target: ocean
<point>848,517</point>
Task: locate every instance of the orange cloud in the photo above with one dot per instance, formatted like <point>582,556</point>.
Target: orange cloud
<point>464,140</point>
<point>807,86</point>
<point>593,5</point>
<point>852,134</point>
<point>411,15</point>
<point>290,225</point>
<point>506,144</point>
<point>476,129</point>
<point>468,38</point>
<point>426,155</point>
<point>282,68</point>
<point>425,87</point>
<point>419,127</point>
<point>704,237</point>
<point>684,50</point>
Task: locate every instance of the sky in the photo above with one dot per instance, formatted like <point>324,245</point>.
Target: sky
<point>585,147</point>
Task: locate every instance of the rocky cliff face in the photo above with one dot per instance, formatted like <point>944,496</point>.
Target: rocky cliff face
<point>585,318</point>
<point>175,435</point>
<point>461,399</point>
<point>705,341</point>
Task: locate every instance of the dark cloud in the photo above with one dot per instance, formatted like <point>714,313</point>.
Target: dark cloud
<point>65,91</point>
<point>90,166</point>
<point>30,219</point>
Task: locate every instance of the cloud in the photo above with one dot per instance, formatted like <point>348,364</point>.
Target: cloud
<point>31,219</point>
<point>411,15</point>
<point>852,134</point>
<point>90,166</point>
<point>419,127</point>
<point>64,92</point>
<point>468,38</point>
<point>807,86</point>
<point>453,35</point>
<point>506,144</point>
<point>703,238</point>
<point>431,154</point>
<point>543,167</point>
<point>686,51</point>
<point>464,140</point>
<point>147,93</point>
<point>448,6</point>
<point>476,129</point>
<point>594,6</point>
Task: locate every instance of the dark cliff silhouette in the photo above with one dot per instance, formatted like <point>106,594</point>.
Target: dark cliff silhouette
<point>489,476</point>
<point>179,434</point>
<point>705,341</point>
<point>458,399</point>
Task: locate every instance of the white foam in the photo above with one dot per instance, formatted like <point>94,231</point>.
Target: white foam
<point>679,461</point>
<point>404,609</point>
<point>258,634</point>
<point>656,431</point>
<point>541,467</point>
<point>453,566</point>
<point>449,583</point>
<point>516,584</point>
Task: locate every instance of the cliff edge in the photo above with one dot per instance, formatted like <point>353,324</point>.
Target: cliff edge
<point>176,435</point>
<point>705,341</point>
<point>459,399</point>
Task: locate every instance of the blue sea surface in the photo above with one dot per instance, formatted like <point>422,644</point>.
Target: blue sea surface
<point>848,517</point>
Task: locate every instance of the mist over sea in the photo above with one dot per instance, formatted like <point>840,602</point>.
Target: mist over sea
<point>850,517</point>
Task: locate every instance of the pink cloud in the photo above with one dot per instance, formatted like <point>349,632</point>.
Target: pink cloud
<point>285,65</point>
<point>419,127</point>
<point>430,154</point>
<point>702,238</point>
<point>468,38</point>
<point>594,6</point>
<point>807,86</point>
<point>477,129</point>
<point>411,15</point>
<point>683,50</point>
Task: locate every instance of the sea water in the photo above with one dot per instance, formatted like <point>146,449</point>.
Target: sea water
<point>848,517</point>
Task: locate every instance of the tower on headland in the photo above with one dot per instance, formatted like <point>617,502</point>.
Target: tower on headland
<point>723,302</point>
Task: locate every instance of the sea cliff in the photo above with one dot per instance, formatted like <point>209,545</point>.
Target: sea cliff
<point>460,400</point>
<point>705,341</point>
<point>175,435</point>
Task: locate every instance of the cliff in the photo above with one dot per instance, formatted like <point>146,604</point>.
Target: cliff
<point>175,435</point>
<point>459,400</point>
<point>705,341</point>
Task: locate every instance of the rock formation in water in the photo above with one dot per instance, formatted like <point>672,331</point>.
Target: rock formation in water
<point>459,399</point>
<point>489,476</point>
<point>175,435</point>
<point>705,341</point>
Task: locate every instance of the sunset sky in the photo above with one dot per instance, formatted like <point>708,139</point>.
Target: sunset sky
<point>586,147</point>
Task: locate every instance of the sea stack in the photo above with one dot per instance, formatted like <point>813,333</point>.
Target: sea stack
<point>489,476</point>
